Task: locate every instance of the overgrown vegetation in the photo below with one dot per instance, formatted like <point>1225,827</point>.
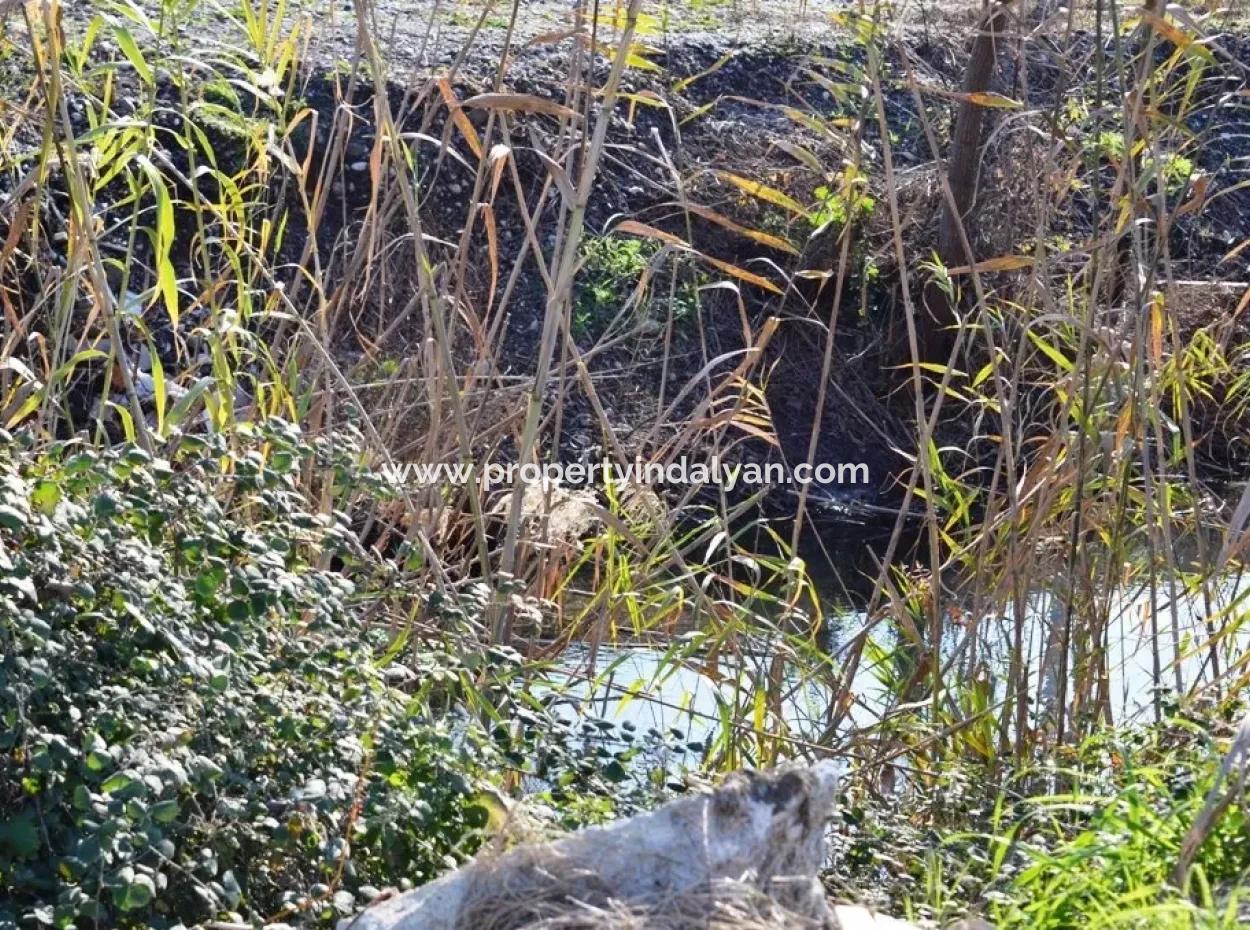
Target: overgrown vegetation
<point>196,718</point>
<point>1089,840</point>
<point>245,679</point>
<point>612,269</point>
<point>201,717</point>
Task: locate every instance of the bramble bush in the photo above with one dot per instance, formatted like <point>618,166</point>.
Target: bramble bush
<point>195,722</point>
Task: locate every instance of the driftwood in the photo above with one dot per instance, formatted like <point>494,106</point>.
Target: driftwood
<point>744,856</point>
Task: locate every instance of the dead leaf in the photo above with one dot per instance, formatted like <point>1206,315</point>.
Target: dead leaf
<point>762,191</point>
<point>519,103</point>
<point>458,117</point>
<point>773,242</point>
<point>980,98</point>
<point>1002,263</point>
<point>633,227</point>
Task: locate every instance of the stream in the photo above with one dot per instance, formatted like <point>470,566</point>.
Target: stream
<point>641,688</point>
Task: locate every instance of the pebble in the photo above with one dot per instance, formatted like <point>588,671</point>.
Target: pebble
<point>359,166</point>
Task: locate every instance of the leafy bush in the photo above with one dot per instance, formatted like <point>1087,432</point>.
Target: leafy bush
<point>192,720</point>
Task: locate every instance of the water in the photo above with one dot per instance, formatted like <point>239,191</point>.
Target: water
<point>1142,622</point>
<point>633,685</point>
<point>637,684</point>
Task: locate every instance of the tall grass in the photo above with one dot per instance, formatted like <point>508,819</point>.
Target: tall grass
<point>175,239</point>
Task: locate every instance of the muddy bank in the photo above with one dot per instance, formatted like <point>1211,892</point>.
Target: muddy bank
<point>769,103</point>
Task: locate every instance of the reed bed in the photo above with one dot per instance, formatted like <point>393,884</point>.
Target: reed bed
<point>216,214</point>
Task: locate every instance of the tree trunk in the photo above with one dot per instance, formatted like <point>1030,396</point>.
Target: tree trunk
<point>963,163</point>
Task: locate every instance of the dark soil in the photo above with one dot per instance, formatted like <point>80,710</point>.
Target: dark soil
<point>735,116</point>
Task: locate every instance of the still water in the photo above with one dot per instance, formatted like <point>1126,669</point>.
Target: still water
<point>640,687</point>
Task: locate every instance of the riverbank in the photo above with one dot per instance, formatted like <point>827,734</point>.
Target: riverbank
<point>214,730</point>
<point>258,260</point>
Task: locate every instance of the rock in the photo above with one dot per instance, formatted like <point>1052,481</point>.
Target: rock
<point>746,855</point>
<point>853,917</point>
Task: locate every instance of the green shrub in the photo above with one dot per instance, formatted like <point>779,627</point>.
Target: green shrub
<point>1091,843</point>
<point>192,720</point>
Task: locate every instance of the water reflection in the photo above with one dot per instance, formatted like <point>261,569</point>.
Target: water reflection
<point>1151,634</point>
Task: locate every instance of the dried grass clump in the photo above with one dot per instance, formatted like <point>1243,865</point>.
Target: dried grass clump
<point>746,855</point>
<point>918,192</point>
<point>552,885</point>
<point>551,893</point>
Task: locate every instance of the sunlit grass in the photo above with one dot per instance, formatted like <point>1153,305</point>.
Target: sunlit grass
<point>194,195</point>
